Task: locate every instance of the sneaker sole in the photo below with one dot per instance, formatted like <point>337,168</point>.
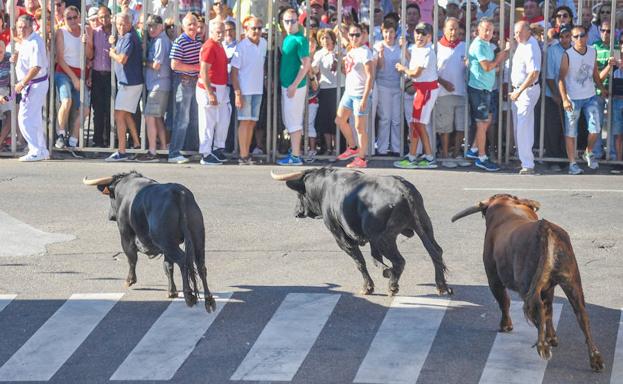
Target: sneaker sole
<point>209,164</point>
<point>346,158</point>
<point>403,167</point>
<point>487,169</point>
<point>178,162</point>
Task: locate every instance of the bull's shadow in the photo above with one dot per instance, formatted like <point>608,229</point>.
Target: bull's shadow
<point>458,354</point>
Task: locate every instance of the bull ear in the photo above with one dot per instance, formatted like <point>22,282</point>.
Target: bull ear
<point>296,185</point>
<point>104,189</point>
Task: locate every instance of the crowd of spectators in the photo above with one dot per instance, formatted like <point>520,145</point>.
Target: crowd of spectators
<point>187,83</point>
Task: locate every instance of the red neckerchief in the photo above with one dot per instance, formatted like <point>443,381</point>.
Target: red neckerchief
<point>533,20</point>
<point>447,43</point>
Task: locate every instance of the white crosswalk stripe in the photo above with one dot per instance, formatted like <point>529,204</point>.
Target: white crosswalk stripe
<point>5,300</point>
<point>617,364</point>
<point>293,339</point>
<point>401,344</point>
<point>162,351</point>
<point>48,349</point>
<point>287,338</point>
<point>512,360</point>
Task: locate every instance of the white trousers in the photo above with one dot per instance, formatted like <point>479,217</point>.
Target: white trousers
<point>213,119</point>
<point>30,118</point>
<point>389,119</point>
<point>523,121</point>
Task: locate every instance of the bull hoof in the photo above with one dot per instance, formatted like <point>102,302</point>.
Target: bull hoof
<point>597,362</point>
<point>444,290</point>
<point>553,341</point>
<point>190,299</point>
<point>210,304</point>
<point>506,327</point>
<point>367,290</point>
<point>387,273</point>
<point>130,282</point>
<point>544,350</point>
<point>393,290</point>
<point>172,294</point>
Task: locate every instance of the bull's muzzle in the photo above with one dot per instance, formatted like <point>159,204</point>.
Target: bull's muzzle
<point>101,181</point>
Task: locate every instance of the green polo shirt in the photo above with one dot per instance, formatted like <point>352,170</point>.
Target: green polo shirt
<point>295,47</point>
<point>603,54</point>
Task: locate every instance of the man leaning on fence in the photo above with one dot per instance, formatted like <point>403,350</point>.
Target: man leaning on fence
<point>127,56</point>
<point>31,69</point>
<point>185,64</point>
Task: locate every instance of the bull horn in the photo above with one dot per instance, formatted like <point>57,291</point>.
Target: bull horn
<point>468,211</point>
<point>287,176</point>
<point>100,181</point>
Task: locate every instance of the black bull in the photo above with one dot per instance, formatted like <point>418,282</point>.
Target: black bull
<point>155,219</point>
<point>359,208</point>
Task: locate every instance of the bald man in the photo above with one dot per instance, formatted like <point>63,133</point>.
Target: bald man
<point>525,94</point>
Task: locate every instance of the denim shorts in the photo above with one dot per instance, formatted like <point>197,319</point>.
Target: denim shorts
<point>250,107</point>
<point>590,107</point>
<point>617,116</point>
<point>479,103</point>
<point>354,103</point>
<point>65,89</point>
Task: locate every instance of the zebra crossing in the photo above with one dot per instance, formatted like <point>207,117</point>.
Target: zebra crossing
<point>301,337</point>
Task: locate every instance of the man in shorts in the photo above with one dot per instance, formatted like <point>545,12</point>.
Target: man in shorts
<point>127,56</point>
<point>295,63</point>
<point>247,77</point>
<point>158,84</point>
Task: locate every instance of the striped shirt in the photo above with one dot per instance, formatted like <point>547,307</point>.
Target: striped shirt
<point>186,51</point>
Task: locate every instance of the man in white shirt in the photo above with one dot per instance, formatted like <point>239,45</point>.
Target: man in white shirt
<point>247,77</point>
<point>32,82</point>
<point>578,77</point>
<point>450,108</point>
<point>525,94</point>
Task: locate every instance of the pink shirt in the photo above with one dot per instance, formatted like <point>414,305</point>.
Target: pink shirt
<point>101,60</point>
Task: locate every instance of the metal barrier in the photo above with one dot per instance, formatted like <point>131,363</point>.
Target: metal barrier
<point>503,125</point>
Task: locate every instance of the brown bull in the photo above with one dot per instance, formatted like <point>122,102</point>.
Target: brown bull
<point>531,256</point>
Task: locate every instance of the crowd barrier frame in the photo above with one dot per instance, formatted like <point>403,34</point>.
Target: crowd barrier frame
<point>273,125</point>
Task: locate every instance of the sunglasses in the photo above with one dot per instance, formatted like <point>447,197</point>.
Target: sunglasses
<point>290,21</point>
<point>562,16</point>
<point>376,10</point>
<point>255,28</point>
<point>605,30</point>
<point>580,35</point>
<point>216,4</point>
<point>71,17</point>
<point>354,34</point>
<point>604,12</point>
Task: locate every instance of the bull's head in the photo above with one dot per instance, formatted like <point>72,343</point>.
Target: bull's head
<point>309,200</point>
<point>107,186</point>
<point>506,199</point>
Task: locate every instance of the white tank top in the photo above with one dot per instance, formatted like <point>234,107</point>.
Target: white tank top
<point>579,79</point>
<point>71,44</point>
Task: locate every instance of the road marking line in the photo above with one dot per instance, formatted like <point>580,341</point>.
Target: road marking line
<point>512,358</point>
<point>617,364</point>
<point>20,239</point>
<point>5,300</point>
<point>48,349</point>
<point>402,343</point>
<point>287,338</point>
<point>169,341</point>
<point>544,190</point>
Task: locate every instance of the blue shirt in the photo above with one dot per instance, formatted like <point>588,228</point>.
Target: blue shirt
<point>130,73</point>
<point>5,71</point>
<point>158,52</point>
<point>554,57</point>
<point>480,50</point>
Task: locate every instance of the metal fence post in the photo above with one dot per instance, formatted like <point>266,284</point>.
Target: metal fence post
<point>403,57</point>
<point>468,38</point>
<point>501,81</point>
<point>13,82</point>
<point>83,88</point>
<point>544,83</point>
<point>113,81</point>
<point>509,114</point>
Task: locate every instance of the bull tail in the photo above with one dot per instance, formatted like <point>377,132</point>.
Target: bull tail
<point>546,249</point>
<point>189,247</point>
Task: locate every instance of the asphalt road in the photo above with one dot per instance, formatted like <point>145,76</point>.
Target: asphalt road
<point>289,307</point>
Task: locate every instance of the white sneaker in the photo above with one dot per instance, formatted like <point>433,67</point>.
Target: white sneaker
<point>178,159</point>
<point>448,164</point>
<point>32,157</point>
<point>460,160</point>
